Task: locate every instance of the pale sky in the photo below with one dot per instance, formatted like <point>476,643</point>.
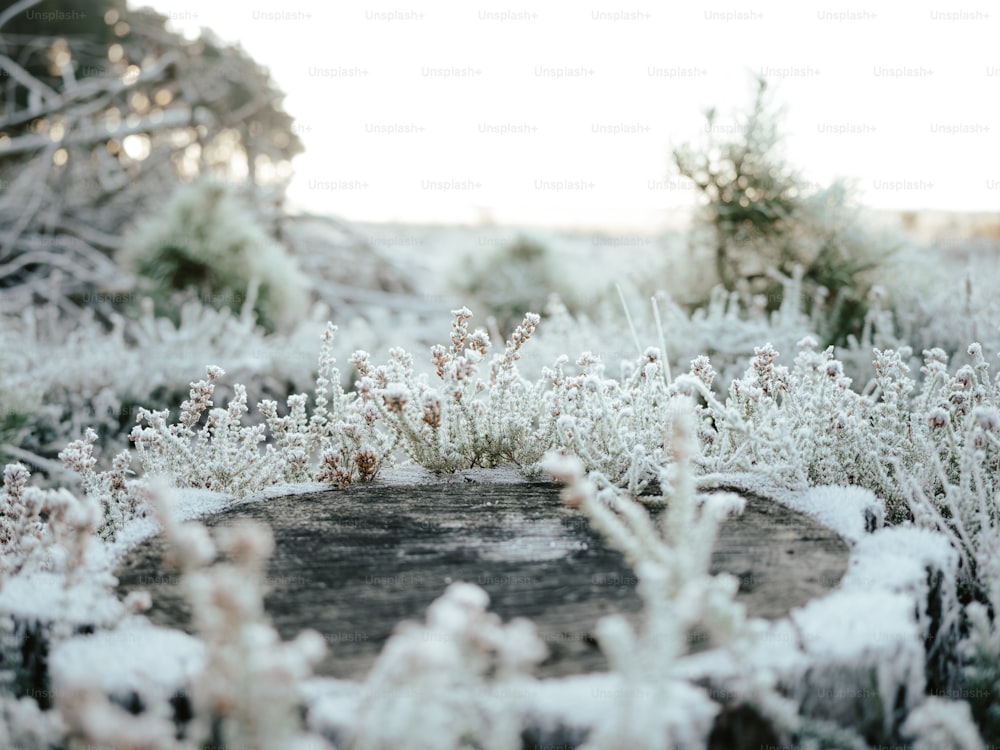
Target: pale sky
<point>563,113</point>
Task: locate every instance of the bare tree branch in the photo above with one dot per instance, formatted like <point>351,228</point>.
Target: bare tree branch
<point>15,9</point>
<point>33,203</point>
<point>174,118</point>
<point>95,86</point>
<point>27,80</point>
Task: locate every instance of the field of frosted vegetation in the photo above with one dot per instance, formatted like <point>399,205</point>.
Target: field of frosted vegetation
<point>173,341</point>
<point>643,372</point>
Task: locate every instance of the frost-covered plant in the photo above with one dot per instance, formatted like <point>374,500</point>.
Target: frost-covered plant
<point>957,430</point>
<point>212,448</point>
<point>930,452</point>
<point>671,556</point>
<point>520,276</point>
<point>465,420</point>
<point>958,493</point>
<point>452,683</point>
<point>343,437</point>
<point>765,218</point>
<point>616,427</point>
<point>34,522</point>
<point>21,526</point>
<point>726,329</point>
<point>208,241</point>
<point>222,454</point>
<point>807,426</point>
<point>110,490</point>
<point>925,309</point>
<point>248,693</point>
<point>775,421</point>
<point>72,373</point>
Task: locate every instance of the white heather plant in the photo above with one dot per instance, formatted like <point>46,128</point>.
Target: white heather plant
<point>72,373</point>
<point>34,522</point>
<point>341,432</point>
<point>806,426</point>
<point>221,455</point>
<point>109,490</point>
<point>213,449</point>
<point>671,557</point>
<point>959,494</point>
<point>207,240</point>
<point>466,421</point>
<point>931,311</point>
<point>451,683</point>
<point>726,329</point>
<point>618,428</point>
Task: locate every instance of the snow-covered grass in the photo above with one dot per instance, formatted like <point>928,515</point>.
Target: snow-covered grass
<point>684,400</point>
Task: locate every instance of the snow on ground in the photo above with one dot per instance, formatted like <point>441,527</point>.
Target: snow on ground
<point>864,643</point>
<point>128,659</point>
<point>850,511</point>
<point>853,512</point>
<point>44,596</point>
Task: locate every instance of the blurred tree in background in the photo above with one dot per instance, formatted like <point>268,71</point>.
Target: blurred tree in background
<point>103,112</point>
<point>765,221</point>
<point>515,278</point>
<point>205,241</point>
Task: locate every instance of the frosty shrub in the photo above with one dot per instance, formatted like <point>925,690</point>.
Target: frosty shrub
<point>841,261</point>
<point>671,557</point>
<point>221,454</point>
<point>925,310</point>
<point>212,448</point>
<point>207,241</point>
<point>464,420</point>
<point>763,220</point>
<point>341,434</point>
<point>616,427</point>
<point>72,373</point>
<point>119,499</point>
<point>725,328</point>
<point>960,495</point>
<point>806,426</point>
<point>506,282</point>
<point>451,683</point>
<point>930,451</point>
<point>42,529</point>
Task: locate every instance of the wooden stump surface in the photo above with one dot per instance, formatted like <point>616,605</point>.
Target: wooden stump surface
<point>352,564</point>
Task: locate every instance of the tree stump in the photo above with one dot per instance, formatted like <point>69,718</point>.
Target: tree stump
<point>353,563</point>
